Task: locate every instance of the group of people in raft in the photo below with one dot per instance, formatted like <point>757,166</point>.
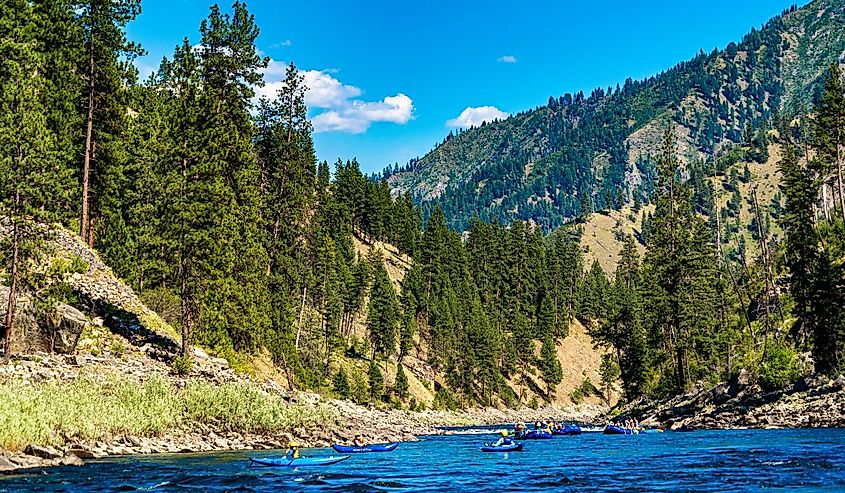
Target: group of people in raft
<point>293,447</point>
<point>549,426</point>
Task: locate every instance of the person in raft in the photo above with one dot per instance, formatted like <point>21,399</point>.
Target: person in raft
<point>503,440</point>
<point>358,441</point>
<point>293,451</point>
<point>519,429</point>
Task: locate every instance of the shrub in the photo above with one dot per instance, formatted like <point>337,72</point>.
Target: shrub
<point>583,391</point>
<point>182,365</point>
<point>781,367</point>
<point>340,384</point>
<point>118,350</point>
<point>444,400</point>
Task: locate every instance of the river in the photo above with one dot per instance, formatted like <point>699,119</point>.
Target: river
<point>730,460</point>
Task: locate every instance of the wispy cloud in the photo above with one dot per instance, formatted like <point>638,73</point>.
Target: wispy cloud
<point>473,117</point>
<point>337,107</point>
<point>507,59</point>
<point>281,44</point>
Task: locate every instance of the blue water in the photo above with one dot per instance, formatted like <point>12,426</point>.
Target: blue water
<point>754,460</point>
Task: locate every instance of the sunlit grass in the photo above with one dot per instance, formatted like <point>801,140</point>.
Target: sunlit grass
<point>51,413</point>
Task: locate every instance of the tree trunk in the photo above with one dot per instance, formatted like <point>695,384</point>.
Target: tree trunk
<point>839,178</point>
<point>187,314</point>
<point>184,295</point>
<point>13,284</point>
<point>301,313</point>
<point>89,136</point>
<point>825,202</point>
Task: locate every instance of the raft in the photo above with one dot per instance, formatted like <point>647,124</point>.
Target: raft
<point>378,447</point>
<point>299,462</point>
<point>618,430</point>
<point>514,447</point>
<point>568,430</point>
<point>535,435</point>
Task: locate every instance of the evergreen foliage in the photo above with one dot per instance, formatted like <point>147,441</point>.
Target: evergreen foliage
<point>195,194</point>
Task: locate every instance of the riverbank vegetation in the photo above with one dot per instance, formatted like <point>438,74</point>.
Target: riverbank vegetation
<point>52,413</point>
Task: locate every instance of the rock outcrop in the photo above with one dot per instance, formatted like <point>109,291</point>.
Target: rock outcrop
<point>57,331</point>
<point>99,294</point>
<point>812,402</point>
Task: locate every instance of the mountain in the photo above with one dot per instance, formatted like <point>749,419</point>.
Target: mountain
<point>582,153</point>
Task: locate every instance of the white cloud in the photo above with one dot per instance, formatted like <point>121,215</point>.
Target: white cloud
<point>473,117</point>
<point>281,44</point>
<point>507,59</point>
<point>343,111</point>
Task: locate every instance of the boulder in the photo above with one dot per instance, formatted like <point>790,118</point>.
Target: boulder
<point>43,452</point>
<point>70,460</point>
<point>6,465</point>
<point>58,332</point>
<point>84,453</point>
<point>66,328</point>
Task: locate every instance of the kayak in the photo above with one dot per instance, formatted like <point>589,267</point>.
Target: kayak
<point>618,430</point>
<point>514,447</point>
<point>299,462</point>
<point>379,447</point>
<point>535,435</point>
<point>568,430</point>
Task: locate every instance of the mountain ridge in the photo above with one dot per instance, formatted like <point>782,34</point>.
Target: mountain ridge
<point>550,163</point>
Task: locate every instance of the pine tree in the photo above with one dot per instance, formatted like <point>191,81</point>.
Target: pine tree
<point>829,134</point>
<point>609,371</point>
<point>664,268</point>
<point>375,382</point>
<point>29,174</point>
<point>382,318</point>
<point>60,44</point>
<point>340,384</point>
<point>401,386</point>
<point>107,76</point>
<point>801,254</point>
<point>550,366</point>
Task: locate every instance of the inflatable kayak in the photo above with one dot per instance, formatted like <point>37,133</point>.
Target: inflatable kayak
<point>618,430</point>
<point>300,462</point>
<point>514,447</point>
<point>568,430</point>
<point>380,447</point>
<point>535,435</point>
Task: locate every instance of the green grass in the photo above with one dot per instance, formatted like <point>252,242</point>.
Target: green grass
<point>52,413</point>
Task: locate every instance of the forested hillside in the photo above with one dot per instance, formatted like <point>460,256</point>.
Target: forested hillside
<point>588,152</point>
<point>215,210</point>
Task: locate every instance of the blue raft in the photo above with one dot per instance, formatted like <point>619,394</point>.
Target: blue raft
<point>535,435</point>
<point>298,462</point>
<point>618,430</point>
<point>380,447</point>
<point>514,447</point>
<point>568,430</point>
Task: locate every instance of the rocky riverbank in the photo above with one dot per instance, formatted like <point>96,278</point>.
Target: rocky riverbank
<point>812,402</point>
<point>334,421</point>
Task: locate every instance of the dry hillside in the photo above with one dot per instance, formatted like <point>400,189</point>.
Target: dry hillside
<point>578,358</point>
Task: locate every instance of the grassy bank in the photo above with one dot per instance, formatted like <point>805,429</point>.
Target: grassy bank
<point>52,413</point>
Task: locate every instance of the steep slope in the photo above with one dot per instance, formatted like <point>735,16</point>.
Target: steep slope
<point>550,163</point>
<point>578,357</point>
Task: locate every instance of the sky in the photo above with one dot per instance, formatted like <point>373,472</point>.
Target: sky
<point>390,79</point>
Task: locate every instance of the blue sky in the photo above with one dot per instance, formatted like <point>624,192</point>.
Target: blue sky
<point>391,78</point>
